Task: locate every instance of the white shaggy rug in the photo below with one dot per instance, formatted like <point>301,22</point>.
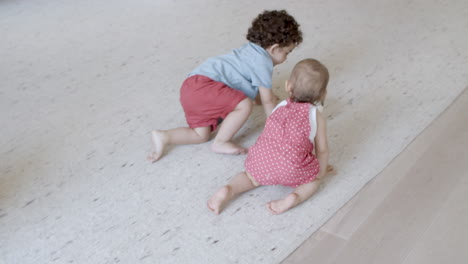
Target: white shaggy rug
<point>82,83</point>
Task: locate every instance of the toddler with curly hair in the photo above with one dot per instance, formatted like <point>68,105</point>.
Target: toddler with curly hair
<point>223,88</point>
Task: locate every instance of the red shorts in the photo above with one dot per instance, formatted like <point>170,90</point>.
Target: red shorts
<point>207,102</point>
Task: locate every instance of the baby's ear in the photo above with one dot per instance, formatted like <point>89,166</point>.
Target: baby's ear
<point>288,87</point>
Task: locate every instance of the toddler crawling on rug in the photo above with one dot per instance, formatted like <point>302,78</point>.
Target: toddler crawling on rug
<point>283,154</point>
<point>222,88</point>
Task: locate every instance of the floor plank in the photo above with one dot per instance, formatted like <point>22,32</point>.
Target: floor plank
<point>323,244</point>
<point>446,239</point>
<point>396,210</point>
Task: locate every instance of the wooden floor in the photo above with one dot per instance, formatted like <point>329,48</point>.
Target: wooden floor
<point>415,211</point>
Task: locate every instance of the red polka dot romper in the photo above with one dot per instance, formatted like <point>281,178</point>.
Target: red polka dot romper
<point>283,152</point>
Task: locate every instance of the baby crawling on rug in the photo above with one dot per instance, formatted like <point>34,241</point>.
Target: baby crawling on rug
<point>283,154</point>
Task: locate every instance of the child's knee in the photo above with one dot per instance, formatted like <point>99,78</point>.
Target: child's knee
<point>203,134</point>
<point>203,138</point>
<point>245,105</point>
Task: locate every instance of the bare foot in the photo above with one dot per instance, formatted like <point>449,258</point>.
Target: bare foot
<point>228,148</point>
<point>281,206</point>
<point>218,200</point>
<point>158,139</point>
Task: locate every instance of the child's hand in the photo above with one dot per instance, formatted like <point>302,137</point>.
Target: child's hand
<point>276,98</point>
<point>258,99</point>
<point>331,170</point>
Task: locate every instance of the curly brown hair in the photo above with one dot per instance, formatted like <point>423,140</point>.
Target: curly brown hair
<point>274,27</point>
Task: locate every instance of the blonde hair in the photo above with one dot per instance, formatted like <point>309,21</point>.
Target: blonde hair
<point>309,80</point>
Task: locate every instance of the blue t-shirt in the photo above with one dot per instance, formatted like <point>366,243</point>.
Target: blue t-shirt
<point>244,69</point>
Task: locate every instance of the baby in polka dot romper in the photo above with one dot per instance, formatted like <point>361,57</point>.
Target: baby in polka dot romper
<point>283,154</point>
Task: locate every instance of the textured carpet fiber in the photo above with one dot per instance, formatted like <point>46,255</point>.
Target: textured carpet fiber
<point>84,82</point>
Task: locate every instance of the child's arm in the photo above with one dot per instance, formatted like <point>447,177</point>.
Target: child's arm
<point>257,100</point>
<point>268,100</point>
<point>321,144</point>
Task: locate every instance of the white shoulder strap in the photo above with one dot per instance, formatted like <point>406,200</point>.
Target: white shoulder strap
<point>313,122</point>
<point>283,103</point>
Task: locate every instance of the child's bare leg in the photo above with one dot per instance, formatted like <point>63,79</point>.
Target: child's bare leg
<point>231,124</point>
<point>300,194</point>
<point>177,136</point>
<point>239,184</point>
